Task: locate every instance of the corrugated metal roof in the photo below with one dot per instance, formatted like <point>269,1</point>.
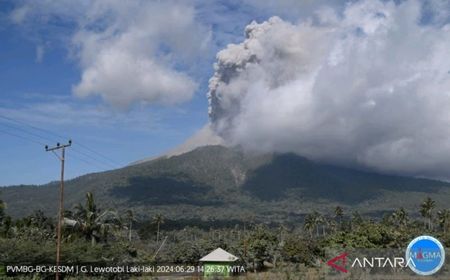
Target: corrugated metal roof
<point>219,255</point>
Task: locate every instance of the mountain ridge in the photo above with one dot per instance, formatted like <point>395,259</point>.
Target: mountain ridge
<point>211,182</point>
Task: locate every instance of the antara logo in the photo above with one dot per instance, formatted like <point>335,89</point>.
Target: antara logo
<point>339,262</point>
<point>341,258</point>
<point>383,262</point>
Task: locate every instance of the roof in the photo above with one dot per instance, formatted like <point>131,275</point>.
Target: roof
<point>219,255</point>
<point>69,222</point>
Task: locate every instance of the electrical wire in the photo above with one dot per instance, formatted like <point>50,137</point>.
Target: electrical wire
<point>97,153</point>
<point>34,141</point>
<point>21,137</point>
<point>32,126</point>
<point>105,161</point>
<point>27,132</point>
<point>91,157</point>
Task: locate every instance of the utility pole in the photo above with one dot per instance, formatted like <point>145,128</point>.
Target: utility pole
<point>61,199</point>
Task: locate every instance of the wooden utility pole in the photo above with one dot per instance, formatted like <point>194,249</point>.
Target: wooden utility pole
<point>61,199</point>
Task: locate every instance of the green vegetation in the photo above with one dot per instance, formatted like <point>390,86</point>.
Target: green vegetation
<point>214,179</point>
<point>104,237</point>
<point>278,213</point>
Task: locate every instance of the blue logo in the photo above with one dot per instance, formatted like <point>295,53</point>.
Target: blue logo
<point>427,255</point>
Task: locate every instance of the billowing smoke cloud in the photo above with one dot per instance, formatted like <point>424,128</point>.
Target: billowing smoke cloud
<point>368,87</point>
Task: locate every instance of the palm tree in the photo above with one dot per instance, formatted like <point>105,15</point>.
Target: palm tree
<point>338,214</point>
<point>333,225</point>
<point>317,220</point>
<point>2,210</point>
<point>282,229</point>
<point>426,210</point>
<point>92,223</point>
<point>356,219</point>
<point>309,224</point>
<point>444,219</point>
<point>5,221</point>
<point>158,219</point>
<point>400,217</point>
<point>130,218</point>
<point>325,223</point>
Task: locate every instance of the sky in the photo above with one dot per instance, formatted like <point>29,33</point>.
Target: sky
<point>151,61</point>
<point>358,83</point>
<point>367,86</point>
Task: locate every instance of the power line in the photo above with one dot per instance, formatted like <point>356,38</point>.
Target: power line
<point>93,158</point>
<point>105,160</point>
<point>23,138</point>
<point>32,126</point>
<point>48,139</point>
<point>95,152</point>
<point>89,163</point>
<point>41,144</point>
<point>27,132</point>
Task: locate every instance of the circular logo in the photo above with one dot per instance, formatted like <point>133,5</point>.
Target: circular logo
<point>425,255</point>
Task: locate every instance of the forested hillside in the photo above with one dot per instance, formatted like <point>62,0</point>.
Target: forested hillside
<point>220,183</point>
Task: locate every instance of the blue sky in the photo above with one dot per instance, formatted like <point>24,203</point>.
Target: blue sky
<point>40,65</point>
<point>129,79</point>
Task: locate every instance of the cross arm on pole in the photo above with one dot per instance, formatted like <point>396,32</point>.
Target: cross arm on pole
<point>58,146</point>
<point>61,199</point>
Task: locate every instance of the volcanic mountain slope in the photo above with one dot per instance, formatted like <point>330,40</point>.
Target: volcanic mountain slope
<point>214,182</point>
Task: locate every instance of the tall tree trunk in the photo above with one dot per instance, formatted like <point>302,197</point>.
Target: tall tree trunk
<point>129,234</point>
<point>157,234</point>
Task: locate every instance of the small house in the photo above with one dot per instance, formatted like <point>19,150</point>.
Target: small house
<point>218,263</point>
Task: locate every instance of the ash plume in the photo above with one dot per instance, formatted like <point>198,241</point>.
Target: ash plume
<point>367,87</point>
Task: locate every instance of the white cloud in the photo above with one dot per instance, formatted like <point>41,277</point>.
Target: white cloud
<point>122,77</point>
<point>128,51</point>
<point>369,86</point>
<point>133,55</point>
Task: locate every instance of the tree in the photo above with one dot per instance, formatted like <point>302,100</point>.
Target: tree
<point>39,220</point>
<point>130,219</point>
<point>321,221</point>
<point>338,214</point>
<point>400,217</point>
<point>317,221</point>
<point>93,224</point>
<point>426,210</point>
<point>314,221</point>
<point>158,219</point>
<point>444,219</point>
<point>299,250</point>
<point>5,221</point>
<point>262,243</point>
<point>309,224</point>
<point>357,220</point>
<point>2,210</point>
